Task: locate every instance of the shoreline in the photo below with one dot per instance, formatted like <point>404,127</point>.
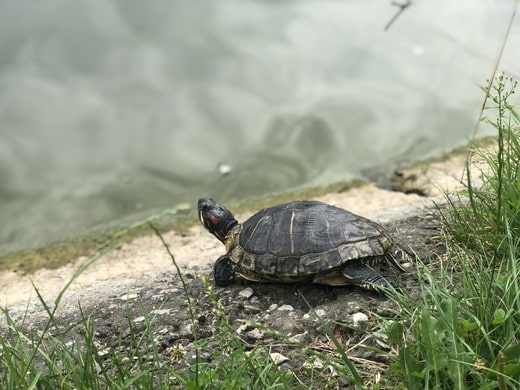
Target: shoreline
<point>143,257</point>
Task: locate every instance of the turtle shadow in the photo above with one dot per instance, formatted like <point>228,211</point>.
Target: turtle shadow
<point>305,296</point>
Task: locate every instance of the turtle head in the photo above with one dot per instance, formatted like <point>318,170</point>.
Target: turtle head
<point>216,218</point>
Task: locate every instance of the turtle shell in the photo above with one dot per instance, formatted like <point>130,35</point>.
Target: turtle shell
<point>295,241</point>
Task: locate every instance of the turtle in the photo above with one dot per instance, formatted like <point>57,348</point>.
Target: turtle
<point>300,242</point>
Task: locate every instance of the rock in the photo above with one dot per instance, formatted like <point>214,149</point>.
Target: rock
<point>316,363</point>
<point>412,181</point>
<point>343,382</point>
<point>315,314</point>
<point>300,337</point>
<point>286,308</point>
<point>186,331</point>
<point>278,358</point>
<point>242,329</point>
<point>359,320</point>
<point>127,297</point>
<point>287,322</point>
<point>246,293</point>
<point>205,357</point>
<point>250,309</point>
<point>157,297</point>
<point>161,311</point>
<point>255,334</point>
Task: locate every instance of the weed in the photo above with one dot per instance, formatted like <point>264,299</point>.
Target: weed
<point>461,328</point>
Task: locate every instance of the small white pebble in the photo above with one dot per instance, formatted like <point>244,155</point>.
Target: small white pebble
<point>246,293</point>
<point>160,311</point>
<point>299,338</point>
<point>278,358</point>
<point>127,297</point>
<point>241,329</point>
<point>286,308</point>
<point>359,320</point>
<point>316,363</point>
<point>255,334</point>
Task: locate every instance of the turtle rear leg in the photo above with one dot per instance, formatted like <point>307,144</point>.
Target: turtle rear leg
<point>364,276</point>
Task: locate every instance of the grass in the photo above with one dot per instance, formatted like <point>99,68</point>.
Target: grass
<point>461,328</point>
<point>458,329</point>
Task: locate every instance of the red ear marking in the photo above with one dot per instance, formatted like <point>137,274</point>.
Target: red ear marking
<point>213,219</point>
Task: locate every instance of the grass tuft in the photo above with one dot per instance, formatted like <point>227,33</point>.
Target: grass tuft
<point>461,328</point>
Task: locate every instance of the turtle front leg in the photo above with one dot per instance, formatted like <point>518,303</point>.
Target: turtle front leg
<point>364,276</point>
<point>224,271</point>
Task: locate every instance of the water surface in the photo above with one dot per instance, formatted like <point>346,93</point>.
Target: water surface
<point>112,110</point>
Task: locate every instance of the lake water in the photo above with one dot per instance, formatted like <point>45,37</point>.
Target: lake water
<point>113,110</point>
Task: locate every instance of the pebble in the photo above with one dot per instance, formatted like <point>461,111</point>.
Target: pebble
<point>161,311</point>
<point>359,320</point>
<point>343,382</point>
<point>127,297</point>
<point>286,308</point>
<point>242,328</point>
<point>249,309</point>
<point>300,338</point>
<point>278,358</point>
<point>321,313</point>
<point>314,315</point>
<point>157,297</point>
<point>246,293</point>
<point>205,357</point>
<point>319,365</point>
<point>316,364</point>
<point>255,334</point>
<point>163,331</point>
<point>186,331</point>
